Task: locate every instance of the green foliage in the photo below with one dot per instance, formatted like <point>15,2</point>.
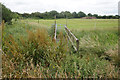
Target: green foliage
<point>36,15</point>
<point>7,14</point>
<point>81,24</point>
<point>87,66</point>
<point>15,16</point>
<point>81,14</point>
<point>89,14</point>
<point>52,14</point>
<point>75,15</point>
<point>26,15</point>
<point>38,46</point>
<point>97,42</point>
<point>67,14</point>
<point>29,52</point>
<point>64,14</point>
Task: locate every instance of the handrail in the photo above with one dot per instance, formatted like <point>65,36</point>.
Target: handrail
<point>70,34</point>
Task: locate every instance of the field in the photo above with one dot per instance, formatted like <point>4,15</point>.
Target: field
<point>30,52</point>
<point>81,24</point>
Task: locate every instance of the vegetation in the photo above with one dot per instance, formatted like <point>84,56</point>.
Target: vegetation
<point>49,15</point>
<point>78,24</point>
<point>7,14</point>
<point>30,52</point>
<point>65,14</point>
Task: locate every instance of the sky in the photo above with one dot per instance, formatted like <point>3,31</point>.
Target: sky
<point>101,7</point>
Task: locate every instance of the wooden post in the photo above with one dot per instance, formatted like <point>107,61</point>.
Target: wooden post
<point>55,19</point>
<point>77,43</point>
<point>66,20</point>
<point>3,23</point>
<point>55,33</point>
<point>54,38</point>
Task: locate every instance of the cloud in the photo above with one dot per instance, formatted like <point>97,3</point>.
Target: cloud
<point>102,7</point>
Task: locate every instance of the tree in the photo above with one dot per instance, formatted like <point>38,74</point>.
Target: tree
<point>67,14</point>
<point>63,14</point>
<point>116,16</point>
<point>75,15</point>
<point>110,17</point>
<point>15,15</point>
<point>46,15</point>
<point>89,15</point>
<point>95,15</point>
<point>81,14</point>
<point>104,17</point>
<point>60,15</point>
<point>36,15</point>
<point>52,14</point>
<point>99,17</point>
<point>7,14</point>
<point>26,15</point>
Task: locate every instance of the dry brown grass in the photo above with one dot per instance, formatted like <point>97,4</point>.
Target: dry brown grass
<point>33,56</point>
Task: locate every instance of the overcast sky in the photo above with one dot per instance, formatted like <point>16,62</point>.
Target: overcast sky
<point>102,7</point>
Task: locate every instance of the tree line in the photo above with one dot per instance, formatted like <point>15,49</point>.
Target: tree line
<point>8,15</point>
<point>66,14</point>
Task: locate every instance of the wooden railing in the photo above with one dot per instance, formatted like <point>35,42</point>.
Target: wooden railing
<point>72,39</point>
<point>70,36</point>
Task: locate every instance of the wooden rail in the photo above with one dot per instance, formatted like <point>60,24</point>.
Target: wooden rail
<point>72,39</point>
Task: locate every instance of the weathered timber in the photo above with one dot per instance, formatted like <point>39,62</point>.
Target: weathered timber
<point>72,37</point>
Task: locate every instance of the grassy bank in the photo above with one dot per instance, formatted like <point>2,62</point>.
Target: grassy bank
<point>30,52</point>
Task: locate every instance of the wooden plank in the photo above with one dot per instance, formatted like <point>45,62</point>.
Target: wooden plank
<point>54,38</point>
<point>55,32</point>
<point>70,34</point>
<point>71,41</point>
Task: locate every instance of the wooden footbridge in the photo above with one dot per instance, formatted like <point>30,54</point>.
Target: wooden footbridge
<point>71,37</point>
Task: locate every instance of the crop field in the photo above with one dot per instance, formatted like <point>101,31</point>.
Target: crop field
<point>29,51</point>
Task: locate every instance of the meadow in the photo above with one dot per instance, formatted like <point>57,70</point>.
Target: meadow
<point>80,24</point>
<point>28,49</point>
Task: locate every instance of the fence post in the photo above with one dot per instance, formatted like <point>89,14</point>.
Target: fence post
<point>3,25</point>
<point>55,33</point>
<point>77,43</point>
<point>54,38</point>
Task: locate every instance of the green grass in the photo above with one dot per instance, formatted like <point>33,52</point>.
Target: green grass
<point>97,55</point>
<point>81,24</point>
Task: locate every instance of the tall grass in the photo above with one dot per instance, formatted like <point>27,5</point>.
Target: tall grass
<point>37,49</point>
<point>30,53</point>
